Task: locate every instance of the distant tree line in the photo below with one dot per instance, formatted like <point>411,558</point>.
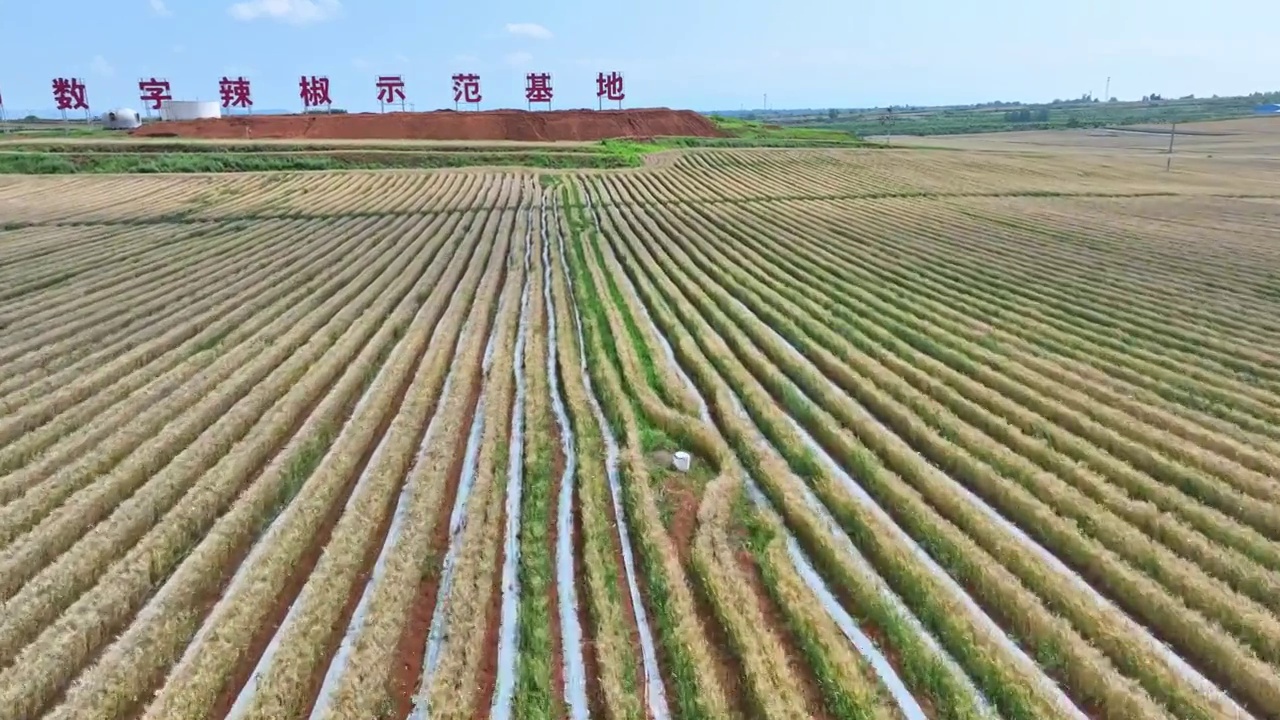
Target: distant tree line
<point>1027,115</point>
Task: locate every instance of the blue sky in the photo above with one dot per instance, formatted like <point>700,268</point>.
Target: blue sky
<point>708,55</point>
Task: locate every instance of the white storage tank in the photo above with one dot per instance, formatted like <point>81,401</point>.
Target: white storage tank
<point>121,119</point>
<point>190,109</point>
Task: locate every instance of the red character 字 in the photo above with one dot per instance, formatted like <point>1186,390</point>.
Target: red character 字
<point>466,88</point>
<point>235,93</point>
<point>610,86</point>
<point>537,87</point>
<point>70,94</point>
<point>314,91</point>
<point>390,88</point>
<point>154,92</point>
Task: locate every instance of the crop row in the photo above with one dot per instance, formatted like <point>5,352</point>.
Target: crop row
<point>152,200</point>
<point>184,506</point>
<point>1252,687</point>
<point>413,458</point>
<point>734,175</point>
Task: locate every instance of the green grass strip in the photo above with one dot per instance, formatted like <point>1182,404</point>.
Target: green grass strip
<point>535,695</point>
<point>685,695</point>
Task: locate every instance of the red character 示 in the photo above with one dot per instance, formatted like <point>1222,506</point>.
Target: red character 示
<point>390,87</point>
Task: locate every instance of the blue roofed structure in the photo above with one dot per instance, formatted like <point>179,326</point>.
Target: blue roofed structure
<point>1268,109</point>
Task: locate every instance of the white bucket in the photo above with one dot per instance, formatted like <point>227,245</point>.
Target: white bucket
<point>681,461</point>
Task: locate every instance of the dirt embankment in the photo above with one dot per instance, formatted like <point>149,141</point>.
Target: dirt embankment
<point>580,125</point>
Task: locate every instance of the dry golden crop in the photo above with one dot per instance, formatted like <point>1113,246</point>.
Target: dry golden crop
<point>972,433</point>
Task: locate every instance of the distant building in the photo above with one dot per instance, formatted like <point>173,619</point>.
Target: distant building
<point>1268,109</point>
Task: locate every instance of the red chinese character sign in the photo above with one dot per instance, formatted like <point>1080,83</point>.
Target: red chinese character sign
<point>314,92</point>
<point>390,90</point>
<point>235,93</point>
<point>153,93</point>
<point>466,88</point>
<point>70,94</point>
<point>537,88</point>
<point>609,87</point>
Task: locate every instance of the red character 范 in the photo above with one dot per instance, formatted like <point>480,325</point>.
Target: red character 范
<point>466,88</point>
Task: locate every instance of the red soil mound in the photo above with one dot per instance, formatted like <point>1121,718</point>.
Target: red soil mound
<point>447,125</point>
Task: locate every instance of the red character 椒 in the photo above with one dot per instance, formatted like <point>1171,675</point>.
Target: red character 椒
<point>314,91</point>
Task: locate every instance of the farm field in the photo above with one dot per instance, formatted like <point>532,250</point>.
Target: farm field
<point>1254,140</point>
<point>975,433</point>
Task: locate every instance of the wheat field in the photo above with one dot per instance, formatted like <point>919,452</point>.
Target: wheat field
<point>981,432</point>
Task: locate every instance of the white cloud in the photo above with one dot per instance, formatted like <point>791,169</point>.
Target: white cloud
<point>179,49</point>
<point>465,59</point>
<point>294,12</point>
<point>100,67</point>
<point>159,8</point>
<point>361,64</point>
<point>530,30</point>
<point>519,59</point>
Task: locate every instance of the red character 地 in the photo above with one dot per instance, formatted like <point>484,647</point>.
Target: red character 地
<point>314,91</point>
<point>390,89</point>
<point>466,88</point>
<point>70,94</point>
<point>154,92</point>
<point>537,87</point>
<point>235,93</point>
<point>610,86</point>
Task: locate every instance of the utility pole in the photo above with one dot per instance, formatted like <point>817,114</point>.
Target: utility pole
<point>1168,163</point>
<point>1107,94</point>
<point>766,101</point>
